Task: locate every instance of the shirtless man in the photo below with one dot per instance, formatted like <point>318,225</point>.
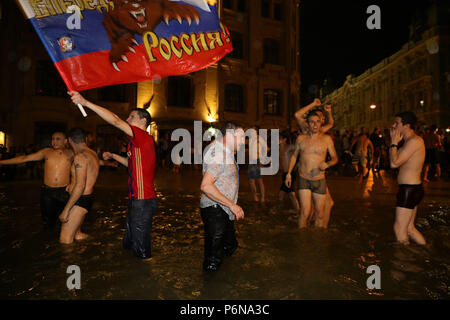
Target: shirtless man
<point>362,145</point>
<point>313,148</point>
<point>84,175</point>
<point>58,160</point>
<point>286,150</point>
<point>409,158</point>
<point>325,127</point>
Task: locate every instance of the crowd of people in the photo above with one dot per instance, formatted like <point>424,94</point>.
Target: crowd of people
<point>70,173</point>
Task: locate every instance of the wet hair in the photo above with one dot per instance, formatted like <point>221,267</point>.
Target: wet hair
<point>408,117</point>
<point>312,113</point>
<point>143,113</point>
<point>77,135</point>
<point>230,125</point>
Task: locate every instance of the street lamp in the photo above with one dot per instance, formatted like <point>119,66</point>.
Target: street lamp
<point>373,107</point>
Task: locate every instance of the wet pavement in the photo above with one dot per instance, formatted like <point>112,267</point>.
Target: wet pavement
<point>275,260</point>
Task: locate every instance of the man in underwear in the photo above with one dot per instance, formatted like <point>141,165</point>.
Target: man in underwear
<point>84,175</point>
<point>313,148</point>
<point>362,145</point>
<point>286,150</point>
<point>141,163</point>
<point>57,162</point>
<point>254,169</point>
<point>218,203</point>
<point>409,158</point>
<point>325,127</point>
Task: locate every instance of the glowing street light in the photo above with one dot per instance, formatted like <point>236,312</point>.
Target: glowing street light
<point>373,107</point>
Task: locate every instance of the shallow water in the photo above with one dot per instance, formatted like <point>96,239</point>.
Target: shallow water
<point>274,260</point>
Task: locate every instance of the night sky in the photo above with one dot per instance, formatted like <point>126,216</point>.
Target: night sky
<point>335,41</point>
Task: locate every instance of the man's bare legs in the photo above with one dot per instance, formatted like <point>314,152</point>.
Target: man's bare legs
<point>261,188</point>
<point>71,229</point>
<point>252,184</point>
<point>425,172</point>
<point>413,233</point>
<point>404,226</point>
<point>294,201</point>
<point>319,206</point>
<point>305,209</point>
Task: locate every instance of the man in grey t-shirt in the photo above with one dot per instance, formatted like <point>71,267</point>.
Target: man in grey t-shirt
<point>220,185</point>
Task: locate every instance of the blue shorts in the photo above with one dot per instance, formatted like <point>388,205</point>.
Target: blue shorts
<point>254,171</point>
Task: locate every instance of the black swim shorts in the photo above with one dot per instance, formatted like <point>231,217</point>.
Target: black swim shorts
<point>409,195</point>
<point>316,186</point>
<point>85,201</point>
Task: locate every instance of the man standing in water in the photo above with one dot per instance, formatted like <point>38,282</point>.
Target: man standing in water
<point>141,162</point>
<point>57,162</point>
<point>220,185</point>
<point>362,145</point>
<point>313,148</point>
<point>84,175</point>
<point>409,158</point>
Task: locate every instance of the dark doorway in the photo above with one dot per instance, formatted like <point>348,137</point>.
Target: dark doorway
<point>43,132</point>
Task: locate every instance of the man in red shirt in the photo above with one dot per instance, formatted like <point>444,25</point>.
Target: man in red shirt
<point>141,161</point>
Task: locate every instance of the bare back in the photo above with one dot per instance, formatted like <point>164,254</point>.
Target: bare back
<point>361,144</point>
<point>89,159</point>
<point>411,169</point>
<point>57,167</point>
<point>313,151</point>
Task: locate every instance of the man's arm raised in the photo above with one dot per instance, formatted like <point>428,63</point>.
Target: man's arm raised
<point>37,156</point>
<point>300,114</point>
<point>398,158</point>
<point>104,113</point>
<point>330,123</point>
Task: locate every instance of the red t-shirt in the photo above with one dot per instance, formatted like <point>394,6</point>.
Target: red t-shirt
<point>141,165</point>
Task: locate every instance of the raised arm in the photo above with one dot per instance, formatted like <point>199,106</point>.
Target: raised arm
<point>330,123</point>
<point>104,113</point>
<point>214,194</point>
<point>80,163</point>
<point>300,114</point>
<point>37,156</point>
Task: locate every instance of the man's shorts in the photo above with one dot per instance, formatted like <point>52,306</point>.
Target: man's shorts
<point>431,156</point>
<point>409,195</point>
<point>254,171</point>
<point>284,187</point>
<point>316,186</point>
<point>85,201</point>
<point>362,159</point>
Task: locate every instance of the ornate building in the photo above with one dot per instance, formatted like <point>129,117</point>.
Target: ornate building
<point>257,84</point>
<point>416,78</point>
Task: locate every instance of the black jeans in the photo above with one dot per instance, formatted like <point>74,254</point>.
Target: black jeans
<point>139,225</point>
<point>220,237</point>
<point>53,201</point>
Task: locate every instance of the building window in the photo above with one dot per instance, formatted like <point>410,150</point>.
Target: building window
<point>118,93</point>
<point>234,98</point>
<point>265,8</point>
<point>278,11</point>
<point>48,80</point>
<point>228,4</point>
<point>180,92</point>
<point>238,45</point>
<point>272,102</point>
<point>271,53</point>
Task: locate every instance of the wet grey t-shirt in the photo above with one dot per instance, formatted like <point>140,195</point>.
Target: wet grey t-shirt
<point>219,162</point>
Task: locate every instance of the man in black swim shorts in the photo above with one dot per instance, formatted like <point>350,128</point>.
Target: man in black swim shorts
<point>409,158</point>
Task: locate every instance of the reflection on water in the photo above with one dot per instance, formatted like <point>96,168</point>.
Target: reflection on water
<point>274,260</point>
